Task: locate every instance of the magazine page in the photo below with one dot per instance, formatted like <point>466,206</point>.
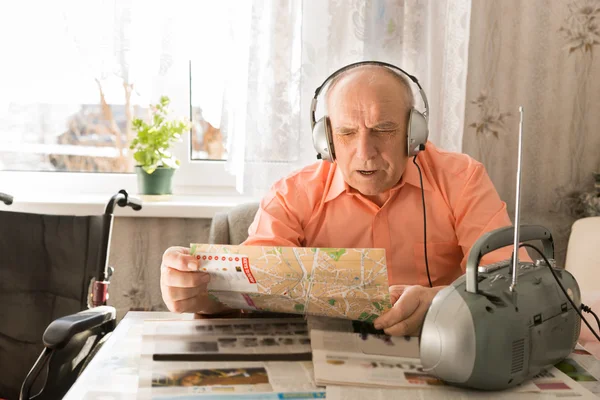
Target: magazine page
<point>365,344</point>
<point>340,282</point>
<point>247,358</point>
<point>582,367</point>
<point>331,324</point>
<point>551,385</point>
<point>344,358</point>
<point>348,358</point>
<point>225,339</point>
<point>245,380</point>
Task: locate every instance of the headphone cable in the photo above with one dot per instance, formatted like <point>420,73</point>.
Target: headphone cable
<point>424,219</point>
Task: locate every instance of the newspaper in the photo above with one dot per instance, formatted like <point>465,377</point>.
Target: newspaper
<point>553,384</point>
<point>342,357</point>
<point>584,368</point>
<point>340,282</point>
<point>220,358</point>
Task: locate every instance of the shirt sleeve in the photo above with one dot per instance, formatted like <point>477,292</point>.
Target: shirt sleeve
<point>281,217</point>
<point>479,210</point>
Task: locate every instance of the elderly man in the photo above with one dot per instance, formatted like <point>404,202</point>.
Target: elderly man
<point>370,196</point>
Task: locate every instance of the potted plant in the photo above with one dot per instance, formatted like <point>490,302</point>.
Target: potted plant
<point>155,163</point>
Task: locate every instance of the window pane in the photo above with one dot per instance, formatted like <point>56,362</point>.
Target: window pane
<point>208,143</point>
<point>88,68</point>
<point>207,86</point>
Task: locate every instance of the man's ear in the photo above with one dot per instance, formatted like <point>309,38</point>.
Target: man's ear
<point>405,140</point>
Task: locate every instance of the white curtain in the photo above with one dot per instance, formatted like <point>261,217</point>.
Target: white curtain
<point>287,48</point>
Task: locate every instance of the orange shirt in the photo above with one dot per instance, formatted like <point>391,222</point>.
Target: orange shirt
<point>314,207</point>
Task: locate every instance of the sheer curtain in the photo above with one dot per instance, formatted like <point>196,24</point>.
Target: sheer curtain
<point>67,101</point>
<point>287,48</point>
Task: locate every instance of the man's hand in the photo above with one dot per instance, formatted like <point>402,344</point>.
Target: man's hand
<point>410,303</point>
<point>183,287</point>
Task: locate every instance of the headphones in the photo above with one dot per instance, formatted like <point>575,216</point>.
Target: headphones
<point>416,134</point>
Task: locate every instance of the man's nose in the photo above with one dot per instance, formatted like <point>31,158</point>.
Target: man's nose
<point>365,147</point>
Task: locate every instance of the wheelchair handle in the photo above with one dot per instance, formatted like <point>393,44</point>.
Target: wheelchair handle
<point>104,271</point>
<point>122,199</point>
<point>6,198</point>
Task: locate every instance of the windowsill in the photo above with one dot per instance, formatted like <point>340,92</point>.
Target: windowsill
<point>169,206</point>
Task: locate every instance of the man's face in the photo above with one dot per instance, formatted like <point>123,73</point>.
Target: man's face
<point>368,117</point>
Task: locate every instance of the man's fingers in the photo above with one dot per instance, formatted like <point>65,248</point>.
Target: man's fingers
<point>409,326</point>
<point>186,305</point>
<point>395,292</point>
<point>180,258</point>
<point>183,279</point>
<point>402,309</point>
<point>173,294</point>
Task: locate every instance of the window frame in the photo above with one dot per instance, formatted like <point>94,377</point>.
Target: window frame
<point>193,177</point>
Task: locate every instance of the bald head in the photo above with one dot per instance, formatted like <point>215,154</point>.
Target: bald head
<point>368,74</point>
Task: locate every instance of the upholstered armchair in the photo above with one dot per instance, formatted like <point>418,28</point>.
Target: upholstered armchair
<point>232,227</point>
<point>583,258</point>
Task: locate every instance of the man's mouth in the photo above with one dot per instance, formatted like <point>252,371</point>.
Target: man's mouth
<point>366,171</point>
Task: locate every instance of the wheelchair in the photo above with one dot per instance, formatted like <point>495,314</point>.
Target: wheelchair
<point>54,278</point>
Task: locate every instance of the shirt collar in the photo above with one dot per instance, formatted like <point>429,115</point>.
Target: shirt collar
<point>338,185</point>
<point>410,176</point>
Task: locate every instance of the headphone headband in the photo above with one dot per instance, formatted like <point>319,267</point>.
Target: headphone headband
<point>417,130</point>
<point>313,107</point>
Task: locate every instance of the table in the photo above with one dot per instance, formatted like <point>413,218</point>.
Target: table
<point>113,372</point>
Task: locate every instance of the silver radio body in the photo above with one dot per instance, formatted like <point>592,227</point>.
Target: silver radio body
<point>478,333</point>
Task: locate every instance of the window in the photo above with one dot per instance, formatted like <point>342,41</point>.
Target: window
<point>81,71</point>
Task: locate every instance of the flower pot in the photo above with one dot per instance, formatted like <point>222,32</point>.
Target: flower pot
<point>158,182</point>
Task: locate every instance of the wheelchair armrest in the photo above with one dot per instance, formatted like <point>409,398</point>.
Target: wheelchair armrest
<point>60,331</point>
<point>6,199</point>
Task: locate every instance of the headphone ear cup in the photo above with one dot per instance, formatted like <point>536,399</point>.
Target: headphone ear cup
<point>417,132</point>
<point>323,140</point>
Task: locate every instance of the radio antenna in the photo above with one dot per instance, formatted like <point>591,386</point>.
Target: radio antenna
<point>515,259</point>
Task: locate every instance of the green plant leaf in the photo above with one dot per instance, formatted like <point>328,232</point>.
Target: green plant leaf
<point>155,137</point>
<point>169,162</point>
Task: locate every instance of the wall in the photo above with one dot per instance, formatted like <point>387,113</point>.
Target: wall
<point>136,250</point>
<point>538,54</point>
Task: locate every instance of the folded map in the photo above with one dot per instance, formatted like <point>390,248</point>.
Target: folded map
<point>342,282</point>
